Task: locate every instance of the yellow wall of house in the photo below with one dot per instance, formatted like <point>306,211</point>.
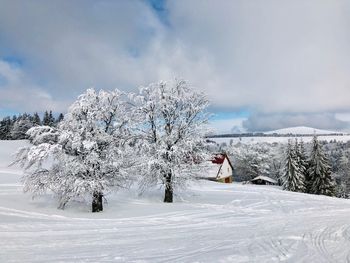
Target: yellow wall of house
<point>222,180</point>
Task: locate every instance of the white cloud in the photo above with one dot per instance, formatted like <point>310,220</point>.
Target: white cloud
<point>271,55</point>
<point>232,125</point>
<point>265,56</point>
<point>343,116</point>
<point>17,90</point>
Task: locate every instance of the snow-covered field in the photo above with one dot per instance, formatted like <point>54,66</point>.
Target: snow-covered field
<point>212,222</point>
<point>294,133</point>
<point>302,130</point>
<point>253,140</point>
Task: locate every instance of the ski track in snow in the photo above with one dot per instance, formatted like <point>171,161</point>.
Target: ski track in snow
<point>255,229</point>
<point>216,223</point>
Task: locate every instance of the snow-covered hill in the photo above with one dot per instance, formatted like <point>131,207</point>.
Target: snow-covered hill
<point>211,222</point>
<point>275,139</point>
<point>302,130</point>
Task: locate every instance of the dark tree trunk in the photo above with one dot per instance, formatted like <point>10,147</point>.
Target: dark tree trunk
<point>63,202</point>
<point>168,196</point>
<point>62,205</point>
<point>97,205</point>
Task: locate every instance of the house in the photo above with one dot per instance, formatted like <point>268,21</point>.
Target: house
<point>263,180</point>
<point>221,169</point>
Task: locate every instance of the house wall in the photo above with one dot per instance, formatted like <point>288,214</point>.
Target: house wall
<point>225,171</point>
<point>227,180</point>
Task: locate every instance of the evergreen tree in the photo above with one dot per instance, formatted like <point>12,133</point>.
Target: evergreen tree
<point>5,128</point>
<point>321,181</point>
<point>36,119</point>
<point>60,118</point>
<point>293,178</point>
<point>51,119</point>
<point>20,127</point>
<point>14,119</point>
<point>46,119</point>
<point>302,160</point>
<point>344,172</point>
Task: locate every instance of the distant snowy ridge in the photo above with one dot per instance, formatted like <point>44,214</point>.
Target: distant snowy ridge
<point>302,130</point>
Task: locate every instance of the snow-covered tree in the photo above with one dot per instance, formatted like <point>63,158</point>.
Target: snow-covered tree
<point>293,178</point>
<point>20,127</point>
<point>43,134</point>
<point>321,181</point>
<point>344,173</point>
<point>48,119</point>
<point>60,118</point>
<point>301,157</point>
<point>5,128</point>
<point>36,119</point>
<point>276,166</point>
<point>250,161</point>
<point>89,155</point>
<point>171,132</point>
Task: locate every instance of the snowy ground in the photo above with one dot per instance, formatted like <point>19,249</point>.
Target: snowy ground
<point>253,140</point>
<point>211,223</point>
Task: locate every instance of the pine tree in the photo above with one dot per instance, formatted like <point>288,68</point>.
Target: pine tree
<point>293,178</point>
<point>321,181</point>
<point>51,119</point>
<point>5,128</point>
<point>344,172</point>
<point>14,119</point>
<point>60,118</point>
<point>46,119</point>
<point>302,160</point>
<point>36,119</point>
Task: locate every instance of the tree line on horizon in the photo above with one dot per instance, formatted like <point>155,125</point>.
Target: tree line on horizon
<point>15,127</point>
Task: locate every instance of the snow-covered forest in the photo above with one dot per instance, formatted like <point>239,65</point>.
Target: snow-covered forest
<point>15,127</point>
<point>281,161</point>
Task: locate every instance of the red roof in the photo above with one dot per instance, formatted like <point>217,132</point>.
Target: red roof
<point>218,159</point>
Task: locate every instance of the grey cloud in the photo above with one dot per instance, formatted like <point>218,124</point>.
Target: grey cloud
<point>268,122</point>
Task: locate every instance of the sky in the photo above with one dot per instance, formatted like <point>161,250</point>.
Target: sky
<point>264,65</point>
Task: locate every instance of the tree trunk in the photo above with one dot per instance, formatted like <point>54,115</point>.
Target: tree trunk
<point>62,205</point>
<point>97,205</point>
<point>63,202</point>
<point>168,196</point>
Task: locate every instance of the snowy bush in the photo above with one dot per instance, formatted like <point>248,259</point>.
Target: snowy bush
<point>42,134</point>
